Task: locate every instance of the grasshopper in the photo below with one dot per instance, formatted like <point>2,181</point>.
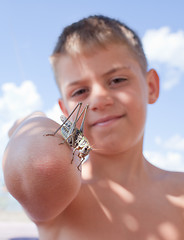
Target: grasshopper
<point>74,136</point>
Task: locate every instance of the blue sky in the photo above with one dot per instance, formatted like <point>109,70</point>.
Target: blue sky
<point>29,31</point>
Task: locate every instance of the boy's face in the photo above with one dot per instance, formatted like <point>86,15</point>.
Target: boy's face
<point>112,83</point>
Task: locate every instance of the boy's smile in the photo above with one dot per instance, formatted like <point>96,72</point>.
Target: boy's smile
<point>106,121</point>
<point>112,82</point>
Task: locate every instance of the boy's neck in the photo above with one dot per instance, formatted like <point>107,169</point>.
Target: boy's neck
<point>121,168</point>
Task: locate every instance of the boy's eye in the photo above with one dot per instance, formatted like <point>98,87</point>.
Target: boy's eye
<point>118,80</point>
<point>79,92</point>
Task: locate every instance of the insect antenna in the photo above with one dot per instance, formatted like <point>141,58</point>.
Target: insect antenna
<point>97,149</point>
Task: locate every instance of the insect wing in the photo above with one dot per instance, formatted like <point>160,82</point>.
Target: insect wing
<point>65,130</point>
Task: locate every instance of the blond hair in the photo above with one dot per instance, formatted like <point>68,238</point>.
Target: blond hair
<point>94,32</point>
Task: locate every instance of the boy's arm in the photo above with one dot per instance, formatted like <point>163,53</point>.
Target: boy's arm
<point>37,171</point>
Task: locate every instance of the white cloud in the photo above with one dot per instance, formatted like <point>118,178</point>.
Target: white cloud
<point>54,113</point>
<point>167,49</point>
<point>175,142</point>
<point>16,102</point>
<point>158,140</point>
<point>170,160</point>
<point>169,154</point>
<point>164,46</point>
<point>172,77</point>
<point>19,101</point>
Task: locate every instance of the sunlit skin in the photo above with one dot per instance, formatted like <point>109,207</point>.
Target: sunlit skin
<point>119,194</point>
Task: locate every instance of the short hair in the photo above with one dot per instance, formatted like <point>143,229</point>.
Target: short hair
<point>98,31</point>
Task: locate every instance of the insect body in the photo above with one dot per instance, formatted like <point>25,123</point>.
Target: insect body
<point>74,136</point>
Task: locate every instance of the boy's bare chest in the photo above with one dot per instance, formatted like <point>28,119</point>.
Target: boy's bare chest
<point>126,216</point>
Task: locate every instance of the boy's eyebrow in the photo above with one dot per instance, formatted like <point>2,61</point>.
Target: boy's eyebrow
<point>111,71</point>
<point>115,69</point>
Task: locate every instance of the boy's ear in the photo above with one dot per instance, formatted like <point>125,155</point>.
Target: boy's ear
<point>62,106</point>
<point>153,86</point>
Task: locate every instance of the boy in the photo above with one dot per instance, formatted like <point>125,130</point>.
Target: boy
<point>118,195</point>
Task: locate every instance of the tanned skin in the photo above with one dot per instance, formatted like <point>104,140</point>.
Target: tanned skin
<point>119,194</point>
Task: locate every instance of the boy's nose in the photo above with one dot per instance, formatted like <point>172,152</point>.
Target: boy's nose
<point>101,98</point>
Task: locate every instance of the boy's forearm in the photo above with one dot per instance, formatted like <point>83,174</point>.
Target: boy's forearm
<point>37,170</point>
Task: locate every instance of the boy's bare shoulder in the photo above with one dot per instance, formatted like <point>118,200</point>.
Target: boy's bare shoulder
<point>171,182</point>
<point>175,186</point>
<point>172,177</point>
<point>176,181</point>
<point>167,175</point>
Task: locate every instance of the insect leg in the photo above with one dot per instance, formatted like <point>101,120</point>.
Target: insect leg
<point>78,167</point>
<point>53,134</point>
<point>82,124</point>
<point>73,155</point>
<point>76,118</point>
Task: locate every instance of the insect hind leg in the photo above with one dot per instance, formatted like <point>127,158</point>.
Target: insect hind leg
<point>53,134</point>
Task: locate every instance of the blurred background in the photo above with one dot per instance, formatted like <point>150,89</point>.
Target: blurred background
<point>29,31</point>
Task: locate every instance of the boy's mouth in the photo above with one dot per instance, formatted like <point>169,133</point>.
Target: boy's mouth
<point>107,120</point>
